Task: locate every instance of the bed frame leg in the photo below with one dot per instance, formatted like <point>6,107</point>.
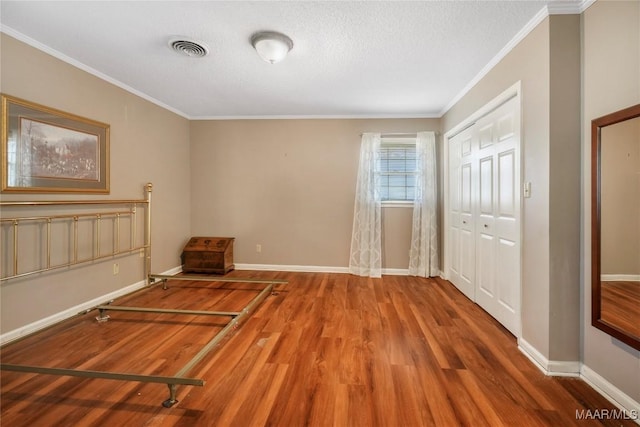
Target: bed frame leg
<point>102,316</point>
<point>172,397</point>
<point>164,284</point>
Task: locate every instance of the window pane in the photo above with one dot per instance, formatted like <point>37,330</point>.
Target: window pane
<point>411,193</point>
<point>397,193</point>
<point>396,169</point>
<point>384,193</point>
<point>397,180</point>
<point>397,165</point>
<point>411,165</point>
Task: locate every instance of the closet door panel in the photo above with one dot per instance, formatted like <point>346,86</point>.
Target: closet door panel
<point>506,184</point>
<point>486,266</point>
<point>506,276</point>
<point>506,307</point>
<point>454,209</point>
<point>507,196</point>
<point>467,264</point>
<point>485,135</point>
<point>486,186</point>
<point>486,242</point>
<point>497,223</point>
<point>467,244</point>
<point>461,248</point>
<point>454,239</point>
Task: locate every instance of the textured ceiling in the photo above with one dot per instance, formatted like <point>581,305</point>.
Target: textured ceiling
<point>350,59</point>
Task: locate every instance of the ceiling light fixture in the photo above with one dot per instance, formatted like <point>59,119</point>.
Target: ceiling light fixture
<point>271,46</point>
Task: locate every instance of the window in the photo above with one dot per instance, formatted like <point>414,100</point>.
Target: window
<point>397,169</point>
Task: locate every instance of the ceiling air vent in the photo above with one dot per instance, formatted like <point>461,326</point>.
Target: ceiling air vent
<point>188,47</point>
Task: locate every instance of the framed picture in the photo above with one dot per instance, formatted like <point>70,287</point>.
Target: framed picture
<point>49,151</point>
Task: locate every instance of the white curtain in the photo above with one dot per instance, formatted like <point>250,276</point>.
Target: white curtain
<point>423,255</point>
<point>366,248</point>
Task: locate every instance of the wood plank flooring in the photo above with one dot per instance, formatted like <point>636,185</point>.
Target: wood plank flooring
<point>324,350</point>
<point>621,305</point>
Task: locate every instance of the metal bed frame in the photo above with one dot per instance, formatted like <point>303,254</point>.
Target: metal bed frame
<point>180,377</point>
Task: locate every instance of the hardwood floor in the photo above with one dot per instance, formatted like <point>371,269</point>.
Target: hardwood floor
<point>621,305</point>
<point>325,350</point>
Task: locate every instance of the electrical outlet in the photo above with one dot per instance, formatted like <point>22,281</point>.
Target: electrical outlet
<point>258,248</point>
<point>116,268</point>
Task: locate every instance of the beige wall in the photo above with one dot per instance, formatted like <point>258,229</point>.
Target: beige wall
<point>564,188</point>
<point>148,144</point>
<point>620,198</point>
<point>611,81</point>
<point>289,186</point>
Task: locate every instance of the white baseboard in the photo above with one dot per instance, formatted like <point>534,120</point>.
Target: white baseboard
<point>611,392</point>
<point>296,268</point>
<point>172,272</point>
<point>564,368</point>
<point>558,368</point>
<point>72,311</point>
<point>620,278</point>
<point>395,271</point>
<point>576,369</point>
<point>314,269</point>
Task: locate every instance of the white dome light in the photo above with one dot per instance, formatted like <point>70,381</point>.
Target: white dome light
<point>272,47</point>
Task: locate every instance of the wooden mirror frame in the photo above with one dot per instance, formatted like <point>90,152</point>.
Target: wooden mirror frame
<point>596,291</point>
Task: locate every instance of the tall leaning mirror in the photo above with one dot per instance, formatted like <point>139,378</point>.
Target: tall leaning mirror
<point>615,227</point>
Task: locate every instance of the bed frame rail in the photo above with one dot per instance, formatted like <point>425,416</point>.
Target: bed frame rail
<point>11,228</point>
<point>180,378</point>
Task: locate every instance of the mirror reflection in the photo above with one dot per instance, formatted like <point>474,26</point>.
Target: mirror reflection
<point>620,226</point>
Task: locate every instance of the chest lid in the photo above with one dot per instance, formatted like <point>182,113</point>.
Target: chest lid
<point>208,244</point>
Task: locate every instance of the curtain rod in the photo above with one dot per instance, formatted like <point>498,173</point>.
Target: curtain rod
<point>387,135</point>
<point>390,135</point>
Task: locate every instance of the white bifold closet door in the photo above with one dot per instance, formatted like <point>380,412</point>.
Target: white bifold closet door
<point>461,222</point>
<point>484,213</point>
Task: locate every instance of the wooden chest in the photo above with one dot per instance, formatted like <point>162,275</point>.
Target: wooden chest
<point>208,255</point>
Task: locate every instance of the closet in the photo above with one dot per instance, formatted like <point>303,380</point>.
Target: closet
<point>483,212</point>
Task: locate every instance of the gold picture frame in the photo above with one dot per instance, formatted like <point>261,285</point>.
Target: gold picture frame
<point>45,150</point>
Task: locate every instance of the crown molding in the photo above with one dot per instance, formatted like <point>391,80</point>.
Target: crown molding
<point>61,56</point>
<point>320,117</point>
<point>524,32</point>
<point>564,7</point>
<point>553,8</point>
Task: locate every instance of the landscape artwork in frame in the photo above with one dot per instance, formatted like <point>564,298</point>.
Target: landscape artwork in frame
<point>49,151</point>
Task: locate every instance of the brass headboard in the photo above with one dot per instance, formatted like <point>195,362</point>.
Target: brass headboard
<point>35,233</point>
